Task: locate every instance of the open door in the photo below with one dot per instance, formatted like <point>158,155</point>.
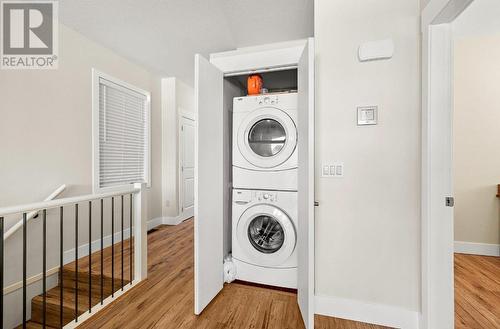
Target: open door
<point>305,242</point>
<point>208,183</point>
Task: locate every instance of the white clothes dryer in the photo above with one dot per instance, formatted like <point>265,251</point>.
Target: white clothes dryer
<point>264,237</point>
<point>265,142</point>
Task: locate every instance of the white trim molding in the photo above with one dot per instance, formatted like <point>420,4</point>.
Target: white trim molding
<point>31,280</point>
<point>167,221</point>
<point>152,223</point>
<point>437,293</point>
<point>355,310</point>
<point>83,250</point>
<point>474,248</point>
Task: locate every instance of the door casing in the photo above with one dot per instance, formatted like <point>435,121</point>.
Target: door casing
<point>437,295</point>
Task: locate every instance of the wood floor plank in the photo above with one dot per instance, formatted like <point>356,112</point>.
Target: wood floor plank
<point>477,292</point>
<point>165,299</point>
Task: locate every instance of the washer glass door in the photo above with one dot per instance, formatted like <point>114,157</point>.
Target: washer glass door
<point>266,234</point>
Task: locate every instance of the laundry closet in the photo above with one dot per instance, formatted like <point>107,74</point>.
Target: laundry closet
<point>254,176</point>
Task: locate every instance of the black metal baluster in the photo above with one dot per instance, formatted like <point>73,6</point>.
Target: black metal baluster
<point>61,265</point>
<point>102,251</point>
<point>90,256</point>
<point>76,262</point>
<point>112,246</point>
<point>1,272</point>
<point>122,245</point>
<point>130,240</point>
<point>24,269</point>
<point>44,266</point>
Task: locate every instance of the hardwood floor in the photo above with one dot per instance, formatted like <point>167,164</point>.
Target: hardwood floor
<point>165,299</point>
<point>477,292</point>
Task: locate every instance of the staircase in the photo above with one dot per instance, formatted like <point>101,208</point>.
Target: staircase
<point>70,309</point>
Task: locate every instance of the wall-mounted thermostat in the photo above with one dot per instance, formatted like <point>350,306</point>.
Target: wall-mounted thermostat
<point>367,115</point>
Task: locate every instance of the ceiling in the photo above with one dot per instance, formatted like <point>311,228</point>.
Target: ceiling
<point>164,35</point>
<point>481,18</point>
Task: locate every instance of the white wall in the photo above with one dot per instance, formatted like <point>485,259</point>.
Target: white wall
<point>424,3</point>
<point>368,222</point>
<point>46,141</point>
<point>177,97</point>
<point>476,127</point>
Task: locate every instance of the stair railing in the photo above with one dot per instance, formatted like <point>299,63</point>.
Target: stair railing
<point>32,214</point>
<point>138,263</point>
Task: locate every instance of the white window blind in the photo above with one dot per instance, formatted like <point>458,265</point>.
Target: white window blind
<point>123,135</point>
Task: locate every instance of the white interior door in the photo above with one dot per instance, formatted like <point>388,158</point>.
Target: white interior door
<point>187,166</point>
<point>208,186</point>
<point>305,242</point>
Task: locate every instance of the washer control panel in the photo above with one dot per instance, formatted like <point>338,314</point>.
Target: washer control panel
<point>246,196</point>
<point>266,196</point>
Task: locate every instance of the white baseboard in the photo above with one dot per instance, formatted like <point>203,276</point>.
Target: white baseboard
<point>167,220</point>
<point>354,310</point>
<point>474,248</point>
<point>172,220</point>
<point>155,222</point>
<point>68,257</point>
<point>83,250</point>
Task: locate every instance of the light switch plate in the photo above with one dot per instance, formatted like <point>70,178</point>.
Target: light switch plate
<point>367,115</point>
<point>332,170</point>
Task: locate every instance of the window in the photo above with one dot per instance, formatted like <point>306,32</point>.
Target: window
<point>121,133</point>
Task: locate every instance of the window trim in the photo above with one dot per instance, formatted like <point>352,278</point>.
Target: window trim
<point>96,76</point>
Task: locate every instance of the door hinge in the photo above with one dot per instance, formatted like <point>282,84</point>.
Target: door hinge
<point>316,203</point>
<point>450,201</point>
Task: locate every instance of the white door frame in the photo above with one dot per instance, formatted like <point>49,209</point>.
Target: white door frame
<point>437,109</point>
<point>285,55</point>
<point>180,193</point>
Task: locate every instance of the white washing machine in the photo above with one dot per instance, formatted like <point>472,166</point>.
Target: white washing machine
<point>264,237</point>
<point>265,142</point>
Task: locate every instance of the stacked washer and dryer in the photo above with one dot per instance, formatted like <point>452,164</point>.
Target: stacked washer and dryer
<point>264,210</point>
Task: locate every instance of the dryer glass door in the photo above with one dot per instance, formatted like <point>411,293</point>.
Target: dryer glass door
<point>267,137</point>
<point>266,234</point>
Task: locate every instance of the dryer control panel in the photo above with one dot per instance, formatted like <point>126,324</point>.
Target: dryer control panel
<point>286,101</point>
<point>267,100</point>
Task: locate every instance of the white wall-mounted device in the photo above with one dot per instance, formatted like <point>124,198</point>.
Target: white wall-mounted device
<point>375,50</point>
<point>367,115</point>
